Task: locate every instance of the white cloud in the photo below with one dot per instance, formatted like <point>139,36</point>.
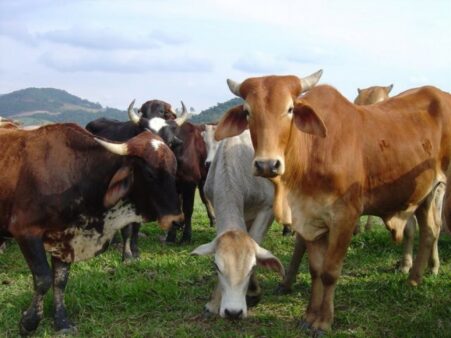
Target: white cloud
<point>123,62</point>
<point>106,38</point>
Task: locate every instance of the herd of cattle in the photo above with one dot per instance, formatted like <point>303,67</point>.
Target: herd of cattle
<point>310,159</point>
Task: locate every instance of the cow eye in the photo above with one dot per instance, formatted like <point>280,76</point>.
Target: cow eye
<point>290,110</point>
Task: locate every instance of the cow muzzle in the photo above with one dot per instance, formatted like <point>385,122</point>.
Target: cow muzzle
<point>268,168</point>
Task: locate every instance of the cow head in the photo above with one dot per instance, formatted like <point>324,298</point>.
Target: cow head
<point>372,95</point>
<point>271,107</point>
<point>148,178</point>
<point>212,145</point>
<point>166,129</point>
<point>236,255</point>
<point>157,108</point>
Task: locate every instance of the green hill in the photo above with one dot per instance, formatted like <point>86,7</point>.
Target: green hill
<point>33,106</point>
<point>213,114</point>
<point>47,105</point>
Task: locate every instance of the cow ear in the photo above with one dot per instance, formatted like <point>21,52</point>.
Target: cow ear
<point>307,120</point>
<point>266,259</point>
<point>119,186</point>
<point>205,249</point>
<point>233,123</point>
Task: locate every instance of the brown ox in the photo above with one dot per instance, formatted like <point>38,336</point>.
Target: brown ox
<point>339,160</point>
<point>365,97</point>
<point>56,198</point>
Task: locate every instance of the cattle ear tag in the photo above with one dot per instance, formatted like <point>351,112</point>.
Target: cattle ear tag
<point>266,259</point>
<point>118,187</point>
<point>205,249</point>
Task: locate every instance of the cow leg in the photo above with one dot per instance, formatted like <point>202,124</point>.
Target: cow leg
<point>126,233</point>
<point>290,277</point>
<point>33,250</point>
<point>409,237</point>
<point>2,245</point>
<point>257,230</point>
<point>60,276</point>
<point>188,192</point>
<point>316,251</point>
<point>429,221</point>
<point>134,240</point>
<point>434,261</point>
<point>357,229</point>
<point>369,223</point>
<point>336,245</point>
<point>208,206</point>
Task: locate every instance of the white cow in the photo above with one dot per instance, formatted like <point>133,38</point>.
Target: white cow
<point>243,208</point>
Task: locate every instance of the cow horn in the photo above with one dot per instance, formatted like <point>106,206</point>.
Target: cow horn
<point>311,80</point>
<point>115,148</point>
<point>131,113</point>
<point>182,118</point>
<point>234,87</point>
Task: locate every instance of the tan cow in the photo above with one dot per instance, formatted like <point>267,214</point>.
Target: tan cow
<point>339,160</point>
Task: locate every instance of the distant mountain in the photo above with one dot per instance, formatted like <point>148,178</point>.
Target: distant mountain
<point>47,105</point>
<point>213,114</point>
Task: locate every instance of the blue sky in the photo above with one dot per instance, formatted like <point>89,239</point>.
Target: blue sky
<point>113,51</point>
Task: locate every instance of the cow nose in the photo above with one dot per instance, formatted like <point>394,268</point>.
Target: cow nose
<point>267,168</point>
<point>233,314</point>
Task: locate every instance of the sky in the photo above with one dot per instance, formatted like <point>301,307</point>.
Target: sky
<point>116,50</point>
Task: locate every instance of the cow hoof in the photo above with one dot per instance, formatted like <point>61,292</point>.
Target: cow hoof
<point>185,240</point>
<point>404,269</point>
<point>28,324</point>
<point>170,238</point>
<point>316,333</point>
<point>65,327</point>
<point>252,301</point>
<point>282,290</point>
<point>304,326</point>
<point>72,330</point>
<point>127,258</point>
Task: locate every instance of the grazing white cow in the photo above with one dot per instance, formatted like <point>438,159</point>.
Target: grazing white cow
<point>243,208</point>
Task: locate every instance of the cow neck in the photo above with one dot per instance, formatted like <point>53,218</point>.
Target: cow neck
<point>297,158</point>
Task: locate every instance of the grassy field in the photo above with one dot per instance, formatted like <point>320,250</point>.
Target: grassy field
<point>163,294</point>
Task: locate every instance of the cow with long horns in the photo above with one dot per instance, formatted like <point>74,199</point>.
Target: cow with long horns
<point>191,156</point>
<point>123,131</point>
<point>66,193</point>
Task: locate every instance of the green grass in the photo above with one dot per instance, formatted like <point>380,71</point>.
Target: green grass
<point>163,294</point>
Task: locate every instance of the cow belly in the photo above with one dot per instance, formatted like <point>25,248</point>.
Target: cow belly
<point>84,241</point>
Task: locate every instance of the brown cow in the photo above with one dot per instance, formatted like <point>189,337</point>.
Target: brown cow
<point>56,198</point>
<point>368,96</point>
<point>339,160</point>
<point>372,95</point>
